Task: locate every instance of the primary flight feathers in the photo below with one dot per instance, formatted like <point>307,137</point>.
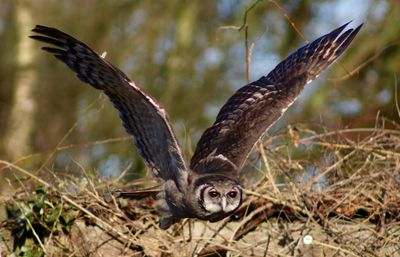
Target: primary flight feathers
<point>255,107</point>
<point>141,115</point>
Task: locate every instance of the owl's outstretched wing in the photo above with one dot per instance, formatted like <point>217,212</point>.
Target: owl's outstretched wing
<point>141,115</point>
<point>255,107</point>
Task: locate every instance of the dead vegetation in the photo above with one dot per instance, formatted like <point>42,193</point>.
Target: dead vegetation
<point>332,193</point>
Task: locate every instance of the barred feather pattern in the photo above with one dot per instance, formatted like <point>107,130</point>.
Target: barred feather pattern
<point>141,115</point>
<point>255,107</point>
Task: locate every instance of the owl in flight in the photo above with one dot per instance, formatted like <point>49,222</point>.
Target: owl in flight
<point>208,187</point>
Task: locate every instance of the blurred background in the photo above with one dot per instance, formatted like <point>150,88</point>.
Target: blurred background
<point>191,57</point>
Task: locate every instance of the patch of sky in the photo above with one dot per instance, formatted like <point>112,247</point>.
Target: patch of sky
<point>130,30</point>
<point>135,21</point>
<point>384,96</point>
<point>211,58</point>
<point>164,45</point>
<point>212,110</point>
<point>112,166</point>
<point>331,14</point>
<point>159,57</point>
<point>261,66</point>
<point>263,60</point>
<point>228,8</point>
<point>235,74</point>
<point>380,9</point>
<point>348,107</point>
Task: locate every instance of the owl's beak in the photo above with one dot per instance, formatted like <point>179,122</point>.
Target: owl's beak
<point>223,203</point>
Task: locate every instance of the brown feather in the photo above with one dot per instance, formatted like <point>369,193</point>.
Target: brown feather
<point>255,107</point>
<point>141,115</point>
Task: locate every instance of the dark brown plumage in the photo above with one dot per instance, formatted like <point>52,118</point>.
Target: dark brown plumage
<point>209,189</point>
<point>255,107</point>
<point>141,115</point>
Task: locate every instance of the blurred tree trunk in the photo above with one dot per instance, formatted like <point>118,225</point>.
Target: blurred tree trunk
<point>20,124</point>
<point>8,48</point>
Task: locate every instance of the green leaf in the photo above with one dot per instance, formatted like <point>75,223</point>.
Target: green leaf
<point>69,216</point>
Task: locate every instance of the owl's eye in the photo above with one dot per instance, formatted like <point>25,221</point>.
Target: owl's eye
<point>232,194</point>
<point>213,194</point>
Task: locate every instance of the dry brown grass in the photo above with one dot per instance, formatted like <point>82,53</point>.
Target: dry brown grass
<point>342,188</point>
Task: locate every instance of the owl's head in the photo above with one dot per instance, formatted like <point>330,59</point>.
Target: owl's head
<point>219,197</point>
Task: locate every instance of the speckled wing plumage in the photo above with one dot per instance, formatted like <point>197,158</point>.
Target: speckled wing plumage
<point>256,106</point>
<point>141,115</point>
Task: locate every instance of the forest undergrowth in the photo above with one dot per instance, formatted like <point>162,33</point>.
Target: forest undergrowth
<point>325,193</point>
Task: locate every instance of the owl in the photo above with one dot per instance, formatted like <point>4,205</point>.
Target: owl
<point>207,188</point>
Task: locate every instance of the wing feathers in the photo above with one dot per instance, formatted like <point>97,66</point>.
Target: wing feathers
<point>141,115</point>
<point>255,107</point>
<point>240,122</point>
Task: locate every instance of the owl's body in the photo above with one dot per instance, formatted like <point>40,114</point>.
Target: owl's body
<point>209,188</point>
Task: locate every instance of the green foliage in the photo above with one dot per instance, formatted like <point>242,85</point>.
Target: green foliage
<point>33,219</point>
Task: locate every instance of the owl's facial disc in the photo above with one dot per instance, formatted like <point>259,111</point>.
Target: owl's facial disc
<point>225,199</point>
